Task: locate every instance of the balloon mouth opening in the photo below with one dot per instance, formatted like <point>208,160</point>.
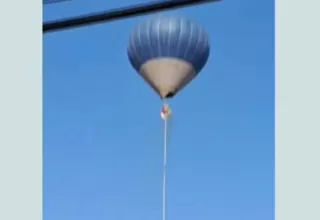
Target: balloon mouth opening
<point>169,95</point>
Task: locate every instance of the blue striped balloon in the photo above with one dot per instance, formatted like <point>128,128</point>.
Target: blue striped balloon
<point>168,39</point>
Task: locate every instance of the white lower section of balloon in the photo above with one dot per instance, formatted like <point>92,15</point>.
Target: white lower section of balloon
<point>167,75</point>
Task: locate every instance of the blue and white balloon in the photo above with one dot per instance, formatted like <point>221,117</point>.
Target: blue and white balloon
<point>168,52</point>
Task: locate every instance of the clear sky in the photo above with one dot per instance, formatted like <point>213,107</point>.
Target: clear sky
<point>103,131</point>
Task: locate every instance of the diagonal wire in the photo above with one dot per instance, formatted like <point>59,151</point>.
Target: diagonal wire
<point>121,13</point>
<point>49,2</point>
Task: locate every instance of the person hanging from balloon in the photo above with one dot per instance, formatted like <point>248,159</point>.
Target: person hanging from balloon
<point>165,111</point>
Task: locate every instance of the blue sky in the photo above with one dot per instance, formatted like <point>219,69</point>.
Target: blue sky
<point>103,132</point>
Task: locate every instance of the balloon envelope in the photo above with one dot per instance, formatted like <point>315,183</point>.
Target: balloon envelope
<point>168,52</point>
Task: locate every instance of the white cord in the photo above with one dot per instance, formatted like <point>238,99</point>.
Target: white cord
<point>164,172</point>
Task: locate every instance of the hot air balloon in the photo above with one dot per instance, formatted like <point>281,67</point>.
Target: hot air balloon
<point>168,52</point>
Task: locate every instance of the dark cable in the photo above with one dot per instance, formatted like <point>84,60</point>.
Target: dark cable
<point>121,13</point>
<point>49,2</point>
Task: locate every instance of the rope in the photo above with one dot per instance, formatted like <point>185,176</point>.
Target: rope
<point>165,114</point>
<point>164,170</point>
